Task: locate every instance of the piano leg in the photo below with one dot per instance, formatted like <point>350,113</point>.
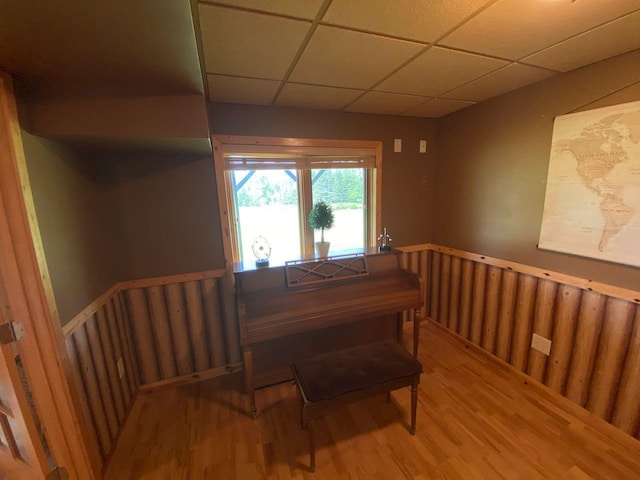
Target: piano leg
<point>416,331</point>
<point>248,381</point>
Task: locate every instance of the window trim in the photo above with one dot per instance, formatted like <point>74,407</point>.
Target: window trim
<point>225,144</point>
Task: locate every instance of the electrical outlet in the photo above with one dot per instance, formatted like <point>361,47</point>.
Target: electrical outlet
<point>541,344</point>
<point>120,368</point>
<point>397,145</point>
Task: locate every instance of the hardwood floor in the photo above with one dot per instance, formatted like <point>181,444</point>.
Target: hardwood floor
<point>476,420</point>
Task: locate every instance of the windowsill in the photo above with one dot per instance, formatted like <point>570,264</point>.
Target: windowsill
<point>250,265</point>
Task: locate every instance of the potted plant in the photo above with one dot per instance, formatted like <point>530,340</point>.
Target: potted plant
<point>321,217</point>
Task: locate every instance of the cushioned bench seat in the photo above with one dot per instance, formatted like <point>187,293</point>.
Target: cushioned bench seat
<point>333,379</point>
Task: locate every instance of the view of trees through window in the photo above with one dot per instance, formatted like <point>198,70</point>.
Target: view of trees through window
<point>266,203</point>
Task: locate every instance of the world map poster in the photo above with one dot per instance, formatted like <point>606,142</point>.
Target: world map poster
<point>592,203</point>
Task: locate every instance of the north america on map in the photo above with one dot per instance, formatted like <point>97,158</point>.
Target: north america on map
<point>592,203</point>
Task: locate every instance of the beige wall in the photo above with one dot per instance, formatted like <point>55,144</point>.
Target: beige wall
<point>408,178</point>
<point>492,167</point>
<point>73,196</point>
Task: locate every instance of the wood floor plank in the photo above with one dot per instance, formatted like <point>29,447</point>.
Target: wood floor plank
<point>477,419</point>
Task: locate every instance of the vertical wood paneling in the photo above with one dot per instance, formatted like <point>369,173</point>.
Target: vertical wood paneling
<point>612,349</point>
<point>133,327</point>
<point>566,314</point>
<point>477,303</point>
<point>110,363</point>
<point>492,305</point>
<point>404,260</point>
<point>142,342</point>
<point>542,325</point>
<point>595,356</point>
<point>506,314</point>
<point>523,327</point>
<point>92,389</point>
<point>588,328</point>
<point>161,331</point>
<point>445,277</point>
<point>178,319</point>
<point>414,262</point>
<point>195,320</point>
<point>124,326</point>
<point>465,298</point>
<point>100,367</point>
<point>414,266</point>
<point>213,321</point>
<point>626,414</point>
<point>116,338</point>
<point>230,318</point>
<point>404,263</point>
<point>434,294</point>
<point>424,275</point>
<point>90,432</point>
<point>454,297</point>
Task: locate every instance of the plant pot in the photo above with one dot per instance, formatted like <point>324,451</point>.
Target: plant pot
<point>322,249</point>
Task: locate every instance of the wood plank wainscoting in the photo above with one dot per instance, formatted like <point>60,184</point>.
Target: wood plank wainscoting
<point>180,329</point>
<point>497,305</point>
<point>142,335</point>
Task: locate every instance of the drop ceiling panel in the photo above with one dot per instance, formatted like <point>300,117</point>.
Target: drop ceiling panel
<point>248,44</point>
<point>614,38</point>
<point>422,21</point>
<point>517,28</point>
<point>504,80</point>
<point>314,96</point>
<point>250,91</point>
<point>438,107</point>
<point>439,70</point>
<point>344,58</point>
<point>384,103</point>
<point>295,8</point>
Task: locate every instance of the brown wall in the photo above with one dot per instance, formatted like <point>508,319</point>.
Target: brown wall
<point>78,222</point>
<point>169,215</point>
<point>408,178</point>
<point>492,168</point>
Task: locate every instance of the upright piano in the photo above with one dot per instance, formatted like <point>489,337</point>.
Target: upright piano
<point>315,305</point>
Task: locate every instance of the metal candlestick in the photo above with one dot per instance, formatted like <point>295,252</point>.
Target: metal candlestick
<point>385,247</point>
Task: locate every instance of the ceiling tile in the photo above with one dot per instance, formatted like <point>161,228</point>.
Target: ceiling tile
<point>614,38</point>
<point>438,107</point>
<point>439,70</point>
<point>384,103</point>
<point>504,80</point>
<point>250,91</point>
<point>294,8</point>
<point>344,58</point>
<point>423,21</point>
<point>516,28</point>
<point>315,96</point>
<point>247,44</point>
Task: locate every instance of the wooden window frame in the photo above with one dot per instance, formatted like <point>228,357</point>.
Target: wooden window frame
<point>224,144</point>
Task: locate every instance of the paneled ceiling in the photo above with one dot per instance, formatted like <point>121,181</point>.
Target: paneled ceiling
<point>424,58</point>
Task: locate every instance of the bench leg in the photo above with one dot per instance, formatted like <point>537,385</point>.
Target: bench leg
<point>312,446</point>
<point>414,403</point>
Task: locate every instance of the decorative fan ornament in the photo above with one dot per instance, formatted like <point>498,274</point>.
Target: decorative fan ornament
<point>262,251</point>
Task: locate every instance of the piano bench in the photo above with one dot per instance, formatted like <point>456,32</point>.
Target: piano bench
<point>331,380</point>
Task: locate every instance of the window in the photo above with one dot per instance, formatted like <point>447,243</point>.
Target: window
<point>267,187</point>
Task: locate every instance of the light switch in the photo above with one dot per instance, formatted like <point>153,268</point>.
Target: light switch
<point>397,145</point>
<point>423,146</point>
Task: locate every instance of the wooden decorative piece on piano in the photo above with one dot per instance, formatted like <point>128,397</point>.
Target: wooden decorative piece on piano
<point>339,267</point>
<point>270,311</point>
